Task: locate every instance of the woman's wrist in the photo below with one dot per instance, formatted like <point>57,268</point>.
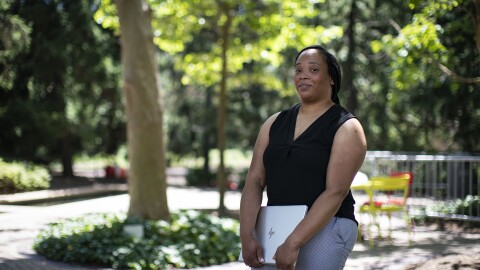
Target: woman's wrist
<point>293,242</point>
<point>247,235</point>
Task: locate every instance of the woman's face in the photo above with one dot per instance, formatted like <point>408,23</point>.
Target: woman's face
<point>312,80</point>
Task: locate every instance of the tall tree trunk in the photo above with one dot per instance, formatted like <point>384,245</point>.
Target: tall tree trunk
<point>476,22</point>
<point>146,177</point>
<point>222,104</point>
<point>349,66</point>
<point>67,155</point>
<point>206,136</point>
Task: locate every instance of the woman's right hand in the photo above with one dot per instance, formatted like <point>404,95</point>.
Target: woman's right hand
<point>252,253</point>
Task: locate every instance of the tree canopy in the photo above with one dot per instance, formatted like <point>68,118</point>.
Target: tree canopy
<point>412,67</point>
<point>60,96</point>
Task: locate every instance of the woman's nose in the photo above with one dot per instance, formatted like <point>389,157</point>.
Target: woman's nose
<point>302,75</point>
<point>299,74</point>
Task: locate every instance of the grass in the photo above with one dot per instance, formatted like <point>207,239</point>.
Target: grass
<point>233,158</point>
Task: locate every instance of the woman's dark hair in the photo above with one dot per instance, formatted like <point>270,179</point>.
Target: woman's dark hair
<point>333,69</point>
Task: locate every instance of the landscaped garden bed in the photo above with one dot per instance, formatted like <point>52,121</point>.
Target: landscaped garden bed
<point>190,239</point>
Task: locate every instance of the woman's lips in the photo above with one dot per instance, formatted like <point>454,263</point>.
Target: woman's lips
<point>303,86</point>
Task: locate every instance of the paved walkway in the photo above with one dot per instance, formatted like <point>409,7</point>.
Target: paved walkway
<point>19,226</point>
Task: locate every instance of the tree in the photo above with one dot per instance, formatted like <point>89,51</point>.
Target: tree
<point>364,82</point>
<point>14,39</point>
<point>147,179</point>
<point>476,19</point>
<point>433,61</point>
<point>352,100</point>
<point>58,100</point>
<point>240,33</point>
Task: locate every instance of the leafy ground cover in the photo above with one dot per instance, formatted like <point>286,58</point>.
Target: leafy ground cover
<point>465,211</point>
<point>190,239</point>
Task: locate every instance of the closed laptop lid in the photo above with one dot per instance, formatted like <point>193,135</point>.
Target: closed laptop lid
<point>274,225</point>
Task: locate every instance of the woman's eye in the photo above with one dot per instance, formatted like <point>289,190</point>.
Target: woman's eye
<point>314,69</point>
<point>297,71</point>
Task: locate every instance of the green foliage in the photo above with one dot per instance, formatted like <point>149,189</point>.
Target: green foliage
<point>107,16</point>
<point>190,239</point>
<point>200,177</point>
<point>431,60</point>
<point>470,206</point>
<point>417,45</point>
<point>65,96</point>
<point>59,72</point>
<point>192,31</point>
<point>21,177</point>
<point>91,239</point>
<point>261,30</point>
<point>14,39</point>
<point>436,6</point>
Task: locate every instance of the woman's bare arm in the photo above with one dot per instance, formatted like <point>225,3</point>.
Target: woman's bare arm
<point>252,198</point>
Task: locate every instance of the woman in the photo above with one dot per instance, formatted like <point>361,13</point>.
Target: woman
<point>307,155</point>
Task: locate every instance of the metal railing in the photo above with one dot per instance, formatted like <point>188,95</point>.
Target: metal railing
<point>435,177</point>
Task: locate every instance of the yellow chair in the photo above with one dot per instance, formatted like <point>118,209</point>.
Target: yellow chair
<point>387,194</point>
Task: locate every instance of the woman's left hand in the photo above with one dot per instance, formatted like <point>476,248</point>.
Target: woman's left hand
<point>285,257</point>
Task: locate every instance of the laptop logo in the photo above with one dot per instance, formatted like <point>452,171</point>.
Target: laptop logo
<point>271,233</point>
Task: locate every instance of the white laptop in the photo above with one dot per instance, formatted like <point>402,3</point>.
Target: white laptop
<point>274,225</point>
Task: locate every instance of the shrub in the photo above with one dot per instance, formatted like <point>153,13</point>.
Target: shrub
<point>200,177</point>
<point>20,177</point>
<point>469,206</point>
<point>190,239</point>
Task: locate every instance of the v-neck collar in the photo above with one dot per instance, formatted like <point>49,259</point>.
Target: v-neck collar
<point>293,124</point>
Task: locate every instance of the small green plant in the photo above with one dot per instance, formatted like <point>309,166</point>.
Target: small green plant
<point>469,206</point>
<point>190,239</point>
<point>441,212</point>
<point>21,177</point>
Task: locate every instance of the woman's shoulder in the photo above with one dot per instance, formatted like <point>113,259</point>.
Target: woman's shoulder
<point>342,114</point>
<point>282,113</point>
<point>342,110</point>
<point>351,125</point>
<point>268,123</point>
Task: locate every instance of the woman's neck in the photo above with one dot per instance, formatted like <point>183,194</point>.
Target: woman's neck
<point>315,108</point>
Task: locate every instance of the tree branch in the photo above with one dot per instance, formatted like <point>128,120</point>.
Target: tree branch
<point>456,77</point>
<point>395,25</point>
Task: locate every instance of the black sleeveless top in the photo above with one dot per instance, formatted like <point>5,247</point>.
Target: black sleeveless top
<point>296,170</point>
